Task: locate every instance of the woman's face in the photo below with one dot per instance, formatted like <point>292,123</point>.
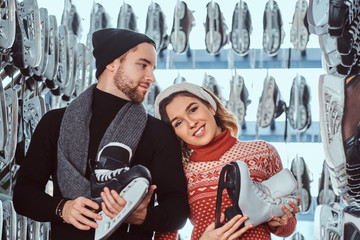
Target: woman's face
<point>192,120</point>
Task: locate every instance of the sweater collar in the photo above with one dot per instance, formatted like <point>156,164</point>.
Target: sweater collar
<point>214,149</point>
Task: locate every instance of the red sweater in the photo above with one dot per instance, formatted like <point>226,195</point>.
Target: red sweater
<point>202,174</point>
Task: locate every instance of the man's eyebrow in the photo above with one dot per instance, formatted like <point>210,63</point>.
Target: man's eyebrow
<point>187,109</point>
<point>147,61</point>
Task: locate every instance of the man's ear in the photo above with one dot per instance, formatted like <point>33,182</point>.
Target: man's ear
<point>112,66</point>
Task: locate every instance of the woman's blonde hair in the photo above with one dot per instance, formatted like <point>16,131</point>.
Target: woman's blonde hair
<point>224,119</point>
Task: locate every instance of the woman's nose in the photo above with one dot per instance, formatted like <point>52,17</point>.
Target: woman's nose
<point>192,123</point>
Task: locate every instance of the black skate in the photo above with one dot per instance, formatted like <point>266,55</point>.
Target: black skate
<point>113,170</point>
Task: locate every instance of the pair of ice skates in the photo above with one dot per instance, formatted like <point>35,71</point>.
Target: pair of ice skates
<point>257,200</point>
<point>112,169</point>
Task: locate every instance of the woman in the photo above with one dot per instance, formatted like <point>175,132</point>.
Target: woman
<point>207,134</point>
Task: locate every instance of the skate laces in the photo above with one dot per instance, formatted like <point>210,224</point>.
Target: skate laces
<point>264,193</point>
<point>103,175</point>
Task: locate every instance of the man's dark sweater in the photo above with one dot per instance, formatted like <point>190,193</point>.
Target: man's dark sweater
<point>158,150</point>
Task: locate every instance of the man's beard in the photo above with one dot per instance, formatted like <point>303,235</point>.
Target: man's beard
<point>124,83</point>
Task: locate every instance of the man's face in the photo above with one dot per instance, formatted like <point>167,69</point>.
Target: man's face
<point>135,73</point>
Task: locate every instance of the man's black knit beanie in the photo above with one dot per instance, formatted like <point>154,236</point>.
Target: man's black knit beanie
<point>111,43</point>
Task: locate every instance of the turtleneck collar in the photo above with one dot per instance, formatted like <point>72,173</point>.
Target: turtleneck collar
<point>104,102</point>
<point>214,149</point>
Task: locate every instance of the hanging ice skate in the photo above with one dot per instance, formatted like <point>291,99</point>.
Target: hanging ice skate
<point>71,19</point>
<point>11,119</point>
<point>326,193</point>
<point>241,29</point>
<point>3,122</point>
<point>270,105</point>
<point>127,18</point>
<point>273,34</point>
<point>331,107</point>
<point>179,79</point>
<point>21,227</point>
<point>215,28</point>
<point>80,81</point>
<point>68,91</point>
<point>27,46</point>
<point>212,85</point>
<point>301,174</point>
<point>150,98</point>
<point>156,26</point>
<point>318,14</point>
<point>299,111</point>
<point>9,220</point>
<point>258,201</point>
<point>238,98</point>
<point>334,221</point>
<point>45,28</point>
<point>299,32</point>
<point>112,169</point>
<point>182,24</point>
<point>7,25</point>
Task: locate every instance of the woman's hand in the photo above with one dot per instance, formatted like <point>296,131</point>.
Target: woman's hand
<point>227,232</point>
<point>282,221</point>
<point>77,212</point>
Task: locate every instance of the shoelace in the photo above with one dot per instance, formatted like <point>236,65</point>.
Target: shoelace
<point>103,175</point>
<point>264,193</point>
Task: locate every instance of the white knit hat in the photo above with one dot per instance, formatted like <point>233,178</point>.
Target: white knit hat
<point>185,86</point>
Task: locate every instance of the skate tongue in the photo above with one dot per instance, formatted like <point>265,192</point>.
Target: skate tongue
<point>106,174</point>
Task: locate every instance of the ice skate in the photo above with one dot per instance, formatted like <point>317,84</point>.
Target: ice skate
<point>331,107</point>
<point>318,14</point>
<point>215,28</point>
<point>68,90</point>
<point>150,98</point>
<point>63,73</point>
<point>21,227</point>
<point>7,25</point>
<point>336,222</point>
<point>238,98</point>
<point>301,174</point>
<point>241,29</point>
<point>212,85</point>
<point>127,18</point>
<point>113,170</point>
<point>273,33</point>
<point>80,81</point>
<point>326,194</point>
<point>182,23</point>
<point>299,111</point>
<point>299,32</point>
<point>9,220</point>
<point>258,201</point>
<point>156,26</point>
<point>270,105</point>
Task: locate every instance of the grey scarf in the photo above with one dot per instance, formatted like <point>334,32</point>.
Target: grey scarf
<point>127,128</point>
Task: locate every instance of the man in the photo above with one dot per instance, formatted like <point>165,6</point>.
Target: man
<point>66,141</point>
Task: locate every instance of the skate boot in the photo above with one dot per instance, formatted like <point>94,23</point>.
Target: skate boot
<point>351,134</point>
<point>212,85</point>
<point>270,105</point>
<point>53,53</point>
<point>329,49</point>
<point>274,34</point>
<point>299,111</point>
<point>326,194</point>
<point>238,98</point>
<point>241,29</point>
<point>331,107</point>
<point>11,120</point>
<point>150,98</point>
<point>179,79</point>
<point>9,220</point>
<point>99,18</point>
<point>112,170</point>
<point>44,22</point>
<point>215,28</point>
<point>3,122</point>
<point>317,17</point>
<point>156,26</point>
<point>301,174</point>
<point>63,72</point>
<point>7,25</point>
<point>69,89</point>
<point>21,227</point>
<point>299,32</point>
<point>127,18</point>
<point>182,23</point>
<point>258,201</point>
<point>336,222</point>
<point>297,236</point>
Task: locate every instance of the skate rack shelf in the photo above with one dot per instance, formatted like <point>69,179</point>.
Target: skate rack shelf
<point>227,59</point>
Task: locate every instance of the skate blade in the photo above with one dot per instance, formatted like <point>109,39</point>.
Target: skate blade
<point>134,193</point>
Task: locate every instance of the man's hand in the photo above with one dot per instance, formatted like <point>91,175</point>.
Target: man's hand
<point>113,203</point>
<point>77,212</point>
